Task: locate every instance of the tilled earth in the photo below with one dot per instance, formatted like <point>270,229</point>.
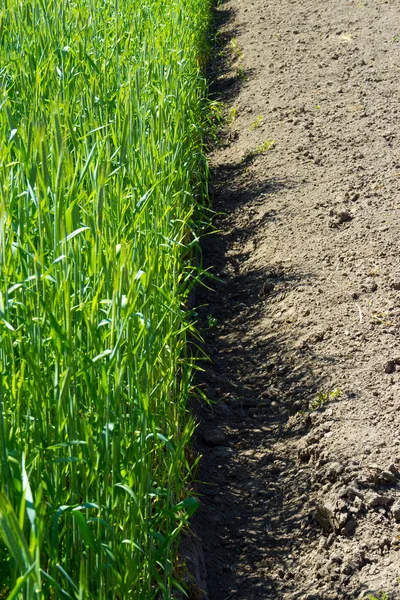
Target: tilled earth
<point>301,449</point>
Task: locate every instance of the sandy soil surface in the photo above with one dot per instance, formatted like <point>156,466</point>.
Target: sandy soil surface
<point>301,450</point>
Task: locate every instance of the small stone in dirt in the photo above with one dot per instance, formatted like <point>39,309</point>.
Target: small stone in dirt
<point>214,438</point>
<point>374,286</point>
<point>325,516</point>
<point>385,543</point>
<point>347,567</point>
<point>378,477</point>
<point>396,285</point>
<point>344,216</point>
<point>390,366</point>
<point>373,499</point>
<point>322,545</point>
<point>342,518</point>
<point>267,288</point>
<point>303,453</point>
<point>333,471</point>
<point>352,492</point>
<point>393,469</point>
<point>336,558</point>
<point>350,527</point>
<point>396,511</point>
<point>281,573</point>
<point>387,478</point>
<point>330,539</point>
<point>358,506</point>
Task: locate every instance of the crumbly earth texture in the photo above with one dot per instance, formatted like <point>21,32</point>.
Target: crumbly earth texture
<point>300,476</point>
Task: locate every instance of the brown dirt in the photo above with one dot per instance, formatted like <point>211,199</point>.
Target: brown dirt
<point>303,504</point>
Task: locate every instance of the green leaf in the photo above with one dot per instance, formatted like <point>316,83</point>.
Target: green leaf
<point>30,505</point>
<point>75,233</point>
<point>189,505</point>
<point>85,530</point>
<point>20,582</point>
<point>12,534</point>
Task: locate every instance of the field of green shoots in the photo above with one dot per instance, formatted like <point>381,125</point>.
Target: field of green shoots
<point>101,176</point>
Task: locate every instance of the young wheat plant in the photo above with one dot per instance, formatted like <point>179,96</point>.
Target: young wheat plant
<point>101,174</point>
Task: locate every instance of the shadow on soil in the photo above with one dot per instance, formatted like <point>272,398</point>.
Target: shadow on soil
<point>251,517</point>
<point>250,506</point>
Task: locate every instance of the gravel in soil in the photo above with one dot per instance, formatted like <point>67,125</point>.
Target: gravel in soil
<point>301,451</point>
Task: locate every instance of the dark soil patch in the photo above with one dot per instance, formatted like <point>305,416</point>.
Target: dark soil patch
<point>299,503</point>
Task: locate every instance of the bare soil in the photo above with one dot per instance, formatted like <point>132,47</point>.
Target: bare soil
<point>301,450</point>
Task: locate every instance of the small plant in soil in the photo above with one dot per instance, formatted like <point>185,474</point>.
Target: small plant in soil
<point>236,49</point>
<point>211,321</point>
<point>322,398</point>
<point>261,149</point>
<point>383,596</point>
<point>241,72</point>
<point>232,115</point>
<point>257,123</point>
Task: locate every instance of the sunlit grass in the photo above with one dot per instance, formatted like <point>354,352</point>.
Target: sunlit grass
<point>101,172</point>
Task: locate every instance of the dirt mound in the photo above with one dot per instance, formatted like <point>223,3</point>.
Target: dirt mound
<point>302,448</point>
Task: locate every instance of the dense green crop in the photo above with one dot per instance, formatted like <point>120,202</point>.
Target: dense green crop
<point>100,172</point>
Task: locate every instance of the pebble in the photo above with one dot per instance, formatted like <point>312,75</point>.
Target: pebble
<point>344,216</point>
<point>267,288</point>
<point>336,558</point>
<point>374,286</point>
<point>347,568</point>
<point>330,539</point>
<point>342,519</point>
<point>333,471</point>
<point>387,478</point>
<point>390,366</point>
<point>373,499</point>
<point>297,405</point>
<point>350,527</point>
